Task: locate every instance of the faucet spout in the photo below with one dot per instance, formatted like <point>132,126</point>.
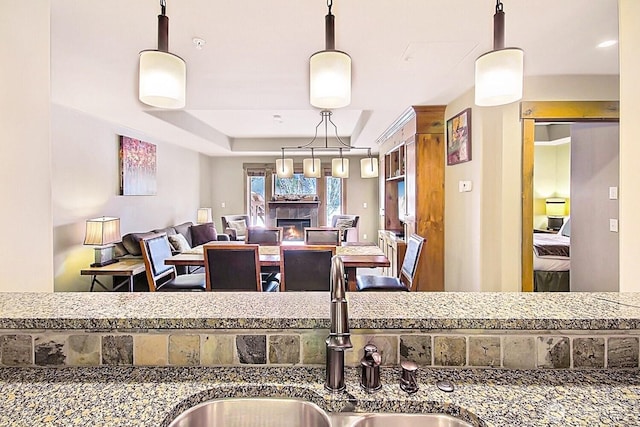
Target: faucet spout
<point>339,338</point>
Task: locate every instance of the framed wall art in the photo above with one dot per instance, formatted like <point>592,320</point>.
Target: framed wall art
<point>137,167</point>
<point>459,138</point>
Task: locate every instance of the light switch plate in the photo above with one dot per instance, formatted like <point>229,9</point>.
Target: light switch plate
<point>613,225</point>
<point>464,186</point>
<point>613,193</point>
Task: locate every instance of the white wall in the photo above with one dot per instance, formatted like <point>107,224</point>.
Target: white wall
<point>483,227</point>
<point>25,158</point>
<point>551,178</point>
<point>85,184</point>
<point>228,188</point>
<point>629,226</point>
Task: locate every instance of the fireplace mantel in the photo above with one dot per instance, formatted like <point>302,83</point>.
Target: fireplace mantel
<point>292,209</point>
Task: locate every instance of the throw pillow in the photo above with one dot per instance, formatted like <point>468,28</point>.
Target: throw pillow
<point>240,226</point>
<point>343,224</point>
<point>204,233</point>
<point>179,243</point>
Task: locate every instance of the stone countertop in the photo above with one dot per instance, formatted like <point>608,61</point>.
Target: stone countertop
<point>424,310</point>
<point>154,396</point>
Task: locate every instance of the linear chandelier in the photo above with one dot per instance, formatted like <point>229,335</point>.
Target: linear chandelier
<point>499,73</point>
<point>339,166</point>
<point>163,75</point>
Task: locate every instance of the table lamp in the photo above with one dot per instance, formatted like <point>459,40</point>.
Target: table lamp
<point>555,208</point>
<point>101,233</point>
<point>204,216</point>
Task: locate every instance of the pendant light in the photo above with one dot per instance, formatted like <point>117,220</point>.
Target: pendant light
<point>311,168</point>
<point>499,73</point>
<point>340,167</point>
<point>369,166</point>
<point>163,75</point>
<point>330,72</point>
<point>284,167</point>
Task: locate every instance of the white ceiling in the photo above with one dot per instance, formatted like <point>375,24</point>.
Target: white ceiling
<point>255,61</point>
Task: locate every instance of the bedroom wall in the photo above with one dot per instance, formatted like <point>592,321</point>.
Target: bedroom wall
<point>595,168</point>
<point>85,184</point>
<point>551,178</point>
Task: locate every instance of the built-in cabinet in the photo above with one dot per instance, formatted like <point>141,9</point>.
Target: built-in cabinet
<point>394,248</point>
<point>412,155</point>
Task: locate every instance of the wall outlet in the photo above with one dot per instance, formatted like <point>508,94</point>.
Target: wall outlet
<point>364,236</point>
<point>613,225</point>
<point>364,205</point>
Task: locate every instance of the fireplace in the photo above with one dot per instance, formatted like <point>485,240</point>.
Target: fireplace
<point>293,229</point>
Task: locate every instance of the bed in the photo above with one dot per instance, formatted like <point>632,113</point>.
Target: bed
<point>551,260</point>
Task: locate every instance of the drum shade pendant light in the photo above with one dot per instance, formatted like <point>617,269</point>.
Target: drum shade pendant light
<point>330,72</point>
<point>499,73</point>
<point>163,75</point>
<point>312,167</point>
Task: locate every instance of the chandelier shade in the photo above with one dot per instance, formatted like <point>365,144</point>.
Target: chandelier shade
<point>311,168</point>
<point>499,73</point>
<point>329,71</point>
<point>330,79</point>
<point>284,168</point>
<point>162,75</point>
<point>369,167</point>
<point>340,167</point>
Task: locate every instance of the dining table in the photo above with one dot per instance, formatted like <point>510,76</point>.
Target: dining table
<point>354,255</point>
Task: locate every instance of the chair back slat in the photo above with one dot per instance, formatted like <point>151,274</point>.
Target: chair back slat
<point>321,236</point>
<point>264,235</point>
<point>232,267</point>
<point>306,268</point>
<point>411,259</point>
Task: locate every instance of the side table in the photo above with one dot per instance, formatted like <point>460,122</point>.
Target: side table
<point>125,267</point>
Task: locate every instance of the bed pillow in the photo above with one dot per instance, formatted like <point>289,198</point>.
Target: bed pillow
<point>179,243</point>
<point>565,230</point>
<point>204,233</point>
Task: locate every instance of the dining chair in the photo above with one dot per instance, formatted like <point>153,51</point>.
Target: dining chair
<point>234,267</point>
<point>161,277</point>
<point>321,236</point>
<point>407,272</point>
<point>306,268</point>
<point>264,235</point>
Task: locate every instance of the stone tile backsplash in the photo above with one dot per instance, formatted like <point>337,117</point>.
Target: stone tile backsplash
<point>510,349</point>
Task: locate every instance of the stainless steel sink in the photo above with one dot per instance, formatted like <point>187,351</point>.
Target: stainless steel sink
<point>250,412</point>
<point>397,420</point>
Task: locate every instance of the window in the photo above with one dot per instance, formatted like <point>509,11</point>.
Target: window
<point>333,197</point>
<point>256,200</point>
<point>298,185</point>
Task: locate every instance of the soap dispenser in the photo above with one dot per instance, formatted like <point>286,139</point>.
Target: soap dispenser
<point>370,365</point>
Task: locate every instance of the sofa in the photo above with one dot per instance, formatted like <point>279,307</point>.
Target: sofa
<point>182,237</point>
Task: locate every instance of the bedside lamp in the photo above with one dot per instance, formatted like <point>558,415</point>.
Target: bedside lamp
<point>555,208</point>
<point>101,233</point>
<point>204,216</point>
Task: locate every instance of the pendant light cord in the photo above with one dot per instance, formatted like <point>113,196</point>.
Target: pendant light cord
<point>499,6</point>
<point>163,7</point>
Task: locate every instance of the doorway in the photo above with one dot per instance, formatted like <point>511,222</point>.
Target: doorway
<point>549,111</point>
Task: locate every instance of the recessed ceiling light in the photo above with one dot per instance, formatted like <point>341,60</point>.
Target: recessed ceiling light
<point>277,118</point>
<point>608,43</point>
<point>199,43</point>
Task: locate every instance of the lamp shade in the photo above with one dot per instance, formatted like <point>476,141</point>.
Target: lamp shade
<point>499,75</point>
<point>204,216</point>
<point>284,168</point>
<point>555,206</point>
<point>340,168</point>
<point>311,168</point>
<point>163,79</point>
<point>369,167</point>
<point>102,231</point>
<point>330,79</point>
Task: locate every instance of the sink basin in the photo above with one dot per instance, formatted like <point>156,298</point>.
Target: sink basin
<point>244,412</point>
<point>398,420</point>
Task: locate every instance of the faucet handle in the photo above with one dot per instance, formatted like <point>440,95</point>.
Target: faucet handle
<point>409,378</point>
<point>370,365</point>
